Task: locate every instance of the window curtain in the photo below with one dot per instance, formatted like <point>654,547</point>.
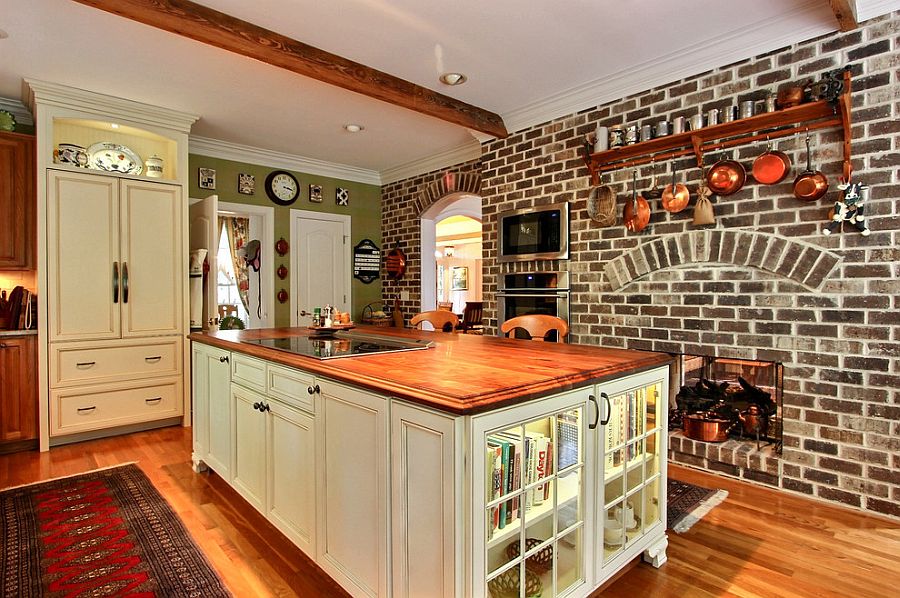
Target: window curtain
<point>236,229</point>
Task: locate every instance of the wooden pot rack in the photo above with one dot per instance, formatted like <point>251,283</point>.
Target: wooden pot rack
<point>805,117</point>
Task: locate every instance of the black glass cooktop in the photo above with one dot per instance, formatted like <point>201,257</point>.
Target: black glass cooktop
<point>341,344</point>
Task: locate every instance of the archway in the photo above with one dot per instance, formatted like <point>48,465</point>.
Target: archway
<point>450,206</point>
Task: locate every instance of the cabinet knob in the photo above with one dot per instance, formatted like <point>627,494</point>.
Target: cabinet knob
<point>256,406</point>
<point>313,389</point>
<point>264,407</point>
<point>223,359</point>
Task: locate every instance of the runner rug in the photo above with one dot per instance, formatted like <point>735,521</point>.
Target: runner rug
<point>103,533</point>
<point>687,504</point>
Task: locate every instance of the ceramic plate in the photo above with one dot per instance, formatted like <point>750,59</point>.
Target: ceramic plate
<point>113,157</point>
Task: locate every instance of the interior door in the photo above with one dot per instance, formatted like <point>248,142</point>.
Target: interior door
<point>152,260</point>
<point>205,235</point>
<point>322,269</point>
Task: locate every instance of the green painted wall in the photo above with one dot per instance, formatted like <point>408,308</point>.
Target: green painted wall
<point>364,210</point>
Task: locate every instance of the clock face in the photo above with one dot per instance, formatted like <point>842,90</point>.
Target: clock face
<point>282,187</point>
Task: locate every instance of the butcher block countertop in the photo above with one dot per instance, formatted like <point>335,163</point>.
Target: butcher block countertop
<point>462,374</point>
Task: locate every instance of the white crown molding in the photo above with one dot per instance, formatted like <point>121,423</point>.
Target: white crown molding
<point>456,155</point>
<point>236,152</point>
<point>869,9</point>
<point>53,94</point>
<point>726,48</point>
<point>18,110</point>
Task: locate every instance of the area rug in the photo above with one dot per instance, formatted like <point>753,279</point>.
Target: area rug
<point>688,504</point>
<point>103,533</point>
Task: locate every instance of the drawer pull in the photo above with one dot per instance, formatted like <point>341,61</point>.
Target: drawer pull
<point>86,409</point>
<point>85,364</point>
<point>223,359</point>
<point>153,359</point>
<point>153,400</point>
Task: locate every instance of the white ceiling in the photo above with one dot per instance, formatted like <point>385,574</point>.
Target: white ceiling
<point>527,61</point>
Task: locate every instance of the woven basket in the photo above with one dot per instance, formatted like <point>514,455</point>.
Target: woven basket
<point>369,317</point>
<point>506,585</point>
<point>540,562</point>
<point>601,206</point>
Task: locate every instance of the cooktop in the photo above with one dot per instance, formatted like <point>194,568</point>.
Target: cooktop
<point>341,344</point>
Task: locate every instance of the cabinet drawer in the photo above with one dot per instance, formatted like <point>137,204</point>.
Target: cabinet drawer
<point>72,364</point>
<point>291,386</point>
<point>83,410</point>
<point>248,372</point>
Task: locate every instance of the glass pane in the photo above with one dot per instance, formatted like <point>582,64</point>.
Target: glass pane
<point>569,503</point>
<point>613,532</point>
<point>503,547</point>
<point>653,396</point>
<point>614,481</point>
<point>568,439</point>
<point>507,584</point>
<point>635,474</point>
<point>618,423</point>
<point>538,462</point>
<point>503,467</point>
<point>653,461</point>
<point>630,515</point>
<point>539,519</point>
<point>650,513</point>
<point>569,558</point>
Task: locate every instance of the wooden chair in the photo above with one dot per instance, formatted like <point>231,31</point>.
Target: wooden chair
<point>227,310</point>
<point>472,316</point>
<point>441,320</point>
<point>445,306</point>
<point>537,326</point>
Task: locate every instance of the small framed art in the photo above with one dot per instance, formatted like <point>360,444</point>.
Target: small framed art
<point>459,278</point>
<point>342,196</point>
<point>315,193</point>
<point>246,184</point>
<point>207,178</point>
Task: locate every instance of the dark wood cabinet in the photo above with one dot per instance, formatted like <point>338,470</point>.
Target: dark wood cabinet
<point>17,201</point>
<point>18,393</point>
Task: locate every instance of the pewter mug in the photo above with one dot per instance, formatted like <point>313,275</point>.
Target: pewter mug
<point>696,122</point>
<point>663,128</point>
<point>678,125</point>
<point>631,135</point>
<point>646,132</point>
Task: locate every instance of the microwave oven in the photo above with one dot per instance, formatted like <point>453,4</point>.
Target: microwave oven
<point>538,233</point>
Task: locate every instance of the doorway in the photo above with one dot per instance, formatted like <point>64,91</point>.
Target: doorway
<point>320,252</point>
<point>452,252</point>
<point>260,307</point>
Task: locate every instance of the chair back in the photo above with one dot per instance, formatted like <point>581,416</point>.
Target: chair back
<point>472,316</point>
<point>441,320</point>
<point>226,309</point>
<point>445,306</point>
<point>537,326</point>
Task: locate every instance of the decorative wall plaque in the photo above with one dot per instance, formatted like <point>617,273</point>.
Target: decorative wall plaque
<point>366,261</point>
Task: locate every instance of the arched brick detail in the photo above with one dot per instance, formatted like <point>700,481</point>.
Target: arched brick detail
<point>449,182</point>
<point>801,262</point>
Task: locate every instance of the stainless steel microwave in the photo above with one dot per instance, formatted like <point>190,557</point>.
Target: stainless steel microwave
<point>538,233</point>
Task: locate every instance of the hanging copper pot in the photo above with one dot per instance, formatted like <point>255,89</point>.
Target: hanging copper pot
<point>811,184</point>
<point>675,197</point>
<point>654,192</point>
<point>771,167</point>
<point>637,212</point>
<point>726,177</point>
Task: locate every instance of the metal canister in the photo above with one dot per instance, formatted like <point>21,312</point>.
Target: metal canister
<point>747,109</point>
<point>770,102</point>
<point>616,136</point>
<point>631,134</point>
<point>678,125</point>
<point>712,117</point>
<point>646,132</point>
<point>729,114</point>
<point>663,128</point>
<point>696,122</point>
<point>601,142</point>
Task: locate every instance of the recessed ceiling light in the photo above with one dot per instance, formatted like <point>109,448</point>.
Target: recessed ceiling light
<point>114,125</point>
<point>353,128</point>
<point>453,78</point>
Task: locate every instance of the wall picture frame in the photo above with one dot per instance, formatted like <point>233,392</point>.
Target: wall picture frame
<point>459,278</point>
<point>207,178</point>
<point>315,193</point>
<point>342,196</point>
<point>246,184</point>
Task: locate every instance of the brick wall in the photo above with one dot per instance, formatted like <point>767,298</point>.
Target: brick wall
<point>762,283</point>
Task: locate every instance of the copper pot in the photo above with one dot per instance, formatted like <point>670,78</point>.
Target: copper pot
<point>790,96</point>
<point>675,197</point>
<point>810,185</point>
<point>706,426</point>
<point>636,213</point>
<point>771,167</point>
<point>726,177</point>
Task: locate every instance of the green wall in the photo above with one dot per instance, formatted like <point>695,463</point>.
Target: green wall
<point>364,211</point>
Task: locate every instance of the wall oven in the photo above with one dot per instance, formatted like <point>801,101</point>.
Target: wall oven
<point>523,293</point>
<point>538,233</point>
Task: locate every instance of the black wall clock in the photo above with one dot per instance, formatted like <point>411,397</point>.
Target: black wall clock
<point>282,187</point>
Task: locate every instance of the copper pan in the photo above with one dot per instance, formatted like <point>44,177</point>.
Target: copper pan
<point>811,184</point>
<point>706,427</point>
<point>726,177</point>
<point>771,167</point>
<point>636,213</point>
<point>675,196</point>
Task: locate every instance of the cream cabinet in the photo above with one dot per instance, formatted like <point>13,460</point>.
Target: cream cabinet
<point>211,393</point>
<point>249,465</point>
<point>114,257</point>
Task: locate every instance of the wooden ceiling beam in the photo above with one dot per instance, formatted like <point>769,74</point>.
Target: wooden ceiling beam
<point>845,13</point>
<point>218,29</point>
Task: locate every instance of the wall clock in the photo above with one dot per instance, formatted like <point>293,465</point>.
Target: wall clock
<point>282,187</point>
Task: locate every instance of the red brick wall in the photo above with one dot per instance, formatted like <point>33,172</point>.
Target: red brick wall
<point>762,283</point>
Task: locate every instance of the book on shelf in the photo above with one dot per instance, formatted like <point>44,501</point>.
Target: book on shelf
<point>567,439</point>
<point>513,477</point>
<point>494,469</point>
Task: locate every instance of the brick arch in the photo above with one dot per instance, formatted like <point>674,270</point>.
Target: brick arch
<point>801,262</point>
<point>449,182</point>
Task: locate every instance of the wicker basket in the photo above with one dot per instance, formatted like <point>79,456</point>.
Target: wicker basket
<point>540,562</point>
<point>506,585</point>
<point>370,318</point>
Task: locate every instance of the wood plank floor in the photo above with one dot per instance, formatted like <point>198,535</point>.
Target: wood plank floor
<point>757,543</point>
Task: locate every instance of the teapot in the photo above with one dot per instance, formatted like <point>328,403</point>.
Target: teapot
<point>753,420</point>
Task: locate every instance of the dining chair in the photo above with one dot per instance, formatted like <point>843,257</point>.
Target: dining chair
<point>537,326</point>
<point>471,322</point>
<point>441,320</point>
<point>445,306</point>
<point>226,309</point>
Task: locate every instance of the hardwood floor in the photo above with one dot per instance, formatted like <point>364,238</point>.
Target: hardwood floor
<point>757,543</point>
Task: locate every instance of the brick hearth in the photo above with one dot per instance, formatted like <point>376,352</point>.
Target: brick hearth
<point>762,283</point>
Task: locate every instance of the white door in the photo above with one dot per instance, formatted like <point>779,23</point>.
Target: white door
<point>152,260</point>
<point>84,273</point>
<point>205,235</point>
<point>320,256</point>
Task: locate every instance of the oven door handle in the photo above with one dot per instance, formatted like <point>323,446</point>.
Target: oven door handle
<point>561,295</point>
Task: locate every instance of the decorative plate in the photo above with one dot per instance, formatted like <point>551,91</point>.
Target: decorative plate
<point>113,157</point>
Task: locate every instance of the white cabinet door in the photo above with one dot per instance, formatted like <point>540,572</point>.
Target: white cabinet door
<point>249,472</point>
<point>152,258</point>
<point>212,426</point>
<point>426,503</point>
<point>199,406</point>
<point>352,474</point>
<point>291,456</point>
<point>83,269</point>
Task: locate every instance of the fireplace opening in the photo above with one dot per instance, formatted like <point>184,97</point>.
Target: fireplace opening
<point>724,397</point>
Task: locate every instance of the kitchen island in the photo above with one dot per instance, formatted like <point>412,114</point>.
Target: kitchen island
<point>477,467</point>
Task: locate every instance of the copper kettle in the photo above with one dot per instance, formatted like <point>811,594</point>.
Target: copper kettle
<point>753,421</point>
<point>675,197</point>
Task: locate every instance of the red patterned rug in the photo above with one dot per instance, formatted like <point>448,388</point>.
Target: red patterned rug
<point>103,533</point>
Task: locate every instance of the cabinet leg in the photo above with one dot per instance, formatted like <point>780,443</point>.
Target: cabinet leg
<point>198,465</point>
<point>656,553</point>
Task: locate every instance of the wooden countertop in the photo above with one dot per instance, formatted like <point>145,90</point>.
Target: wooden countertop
<point>462,374</point>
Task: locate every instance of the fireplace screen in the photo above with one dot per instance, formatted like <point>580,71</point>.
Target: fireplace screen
<point>723,398</point>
